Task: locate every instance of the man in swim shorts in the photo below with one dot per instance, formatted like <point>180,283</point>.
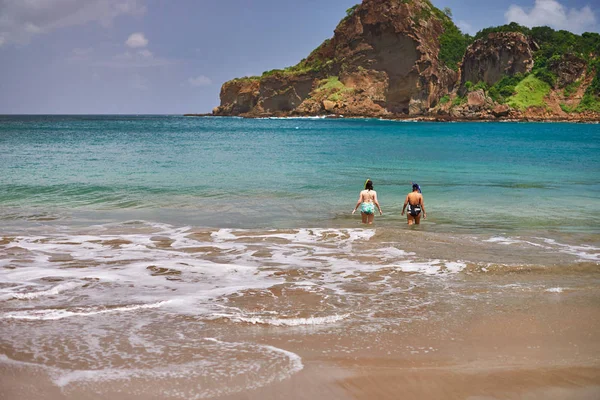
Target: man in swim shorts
<point>415,203</point>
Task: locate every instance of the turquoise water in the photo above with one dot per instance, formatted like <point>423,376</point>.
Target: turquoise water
<point>231,172</point>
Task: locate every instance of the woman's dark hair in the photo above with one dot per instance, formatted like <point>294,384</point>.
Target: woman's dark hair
<point>369,184</point>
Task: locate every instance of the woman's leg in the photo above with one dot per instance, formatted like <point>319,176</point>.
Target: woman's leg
<point>371,217</point>
<point>364,217</point>
<point>410,219</point>
<point>418,219</point>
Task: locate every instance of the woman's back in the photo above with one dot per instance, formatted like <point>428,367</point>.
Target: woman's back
<point>414,198</point>
<point>368,196</point>
<point>367,201</point>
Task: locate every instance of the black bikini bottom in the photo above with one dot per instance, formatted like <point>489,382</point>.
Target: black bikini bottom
<point>414,210</point>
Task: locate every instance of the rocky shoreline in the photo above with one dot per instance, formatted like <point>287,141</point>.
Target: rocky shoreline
<point>446,118</point>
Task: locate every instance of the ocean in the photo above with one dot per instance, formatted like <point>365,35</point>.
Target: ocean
<point>183,258</point>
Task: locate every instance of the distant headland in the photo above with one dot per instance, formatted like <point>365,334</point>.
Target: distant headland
<point>401,59</point>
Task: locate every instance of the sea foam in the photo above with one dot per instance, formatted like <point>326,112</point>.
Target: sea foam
<point>54,314</point>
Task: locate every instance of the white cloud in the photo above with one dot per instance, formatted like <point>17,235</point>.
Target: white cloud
<point>145,53</point>
<point>140,59</point>
<point>129,59</point>
<point>20,20</point>
<point>199,81</point>
<point>554,14</point>
<point>136,40</point>
<point>465,27</point>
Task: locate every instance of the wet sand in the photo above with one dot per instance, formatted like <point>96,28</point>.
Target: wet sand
<point>529,355</point>
<point>530,347</point>
<point>379,381</point>
<point>159,312</point>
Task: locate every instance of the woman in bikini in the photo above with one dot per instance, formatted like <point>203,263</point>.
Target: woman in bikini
<point>415,203</point>
<point>367,200</point>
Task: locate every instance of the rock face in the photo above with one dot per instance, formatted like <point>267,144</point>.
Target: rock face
<point>487,60</point>
<point>384,55</point>
<point>478,101</point>
<point>501,110</point>
<point>238,96</point>
<point>391,53</point>
<point>568,69</point>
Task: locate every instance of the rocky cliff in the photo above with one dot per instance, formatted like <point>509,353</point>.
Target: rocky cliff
<point>489,59</point>
<point>383,59</point>
<point>497,82</point>
<point>389,58</point>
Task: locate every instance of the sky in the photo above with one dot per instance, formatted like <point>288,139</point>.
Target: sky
<point>171,57</point>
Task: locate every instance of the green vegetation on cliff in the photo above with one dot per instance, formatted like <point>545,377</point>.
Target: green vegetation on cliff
<point>518,91</point>
<point>452,46</point>
<point>314,63</point>
<point>566,108</point>
<point>351,10</point>
<point>246,79</point>
<point>453,43</point>
<point>331,83</point>
<point>504,88</point>
<point>332,89</point>
<point>459,100</point>
<point>529,92</point>
<point>589,103</point>
<point>552,46</point>
<point>552,42</point>
<point>591,97</point>
<point>571,88</point>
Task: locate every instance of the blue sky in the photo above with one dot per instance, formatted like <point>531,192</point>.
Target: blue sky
<point>171,57</point>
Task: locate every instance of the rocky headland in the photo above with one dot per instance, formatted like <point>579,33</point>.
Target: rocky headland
<point>402,59</point>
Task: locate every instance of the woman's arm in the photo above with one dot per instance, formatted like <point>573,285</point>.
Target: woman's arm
<point>405,203</point>
<point>377,203</point>
<point>357,203</point>
<point>423,207</point>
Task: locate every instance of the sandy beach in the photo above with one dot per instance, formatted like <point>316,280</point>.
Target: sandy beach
<point>521,344</point>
